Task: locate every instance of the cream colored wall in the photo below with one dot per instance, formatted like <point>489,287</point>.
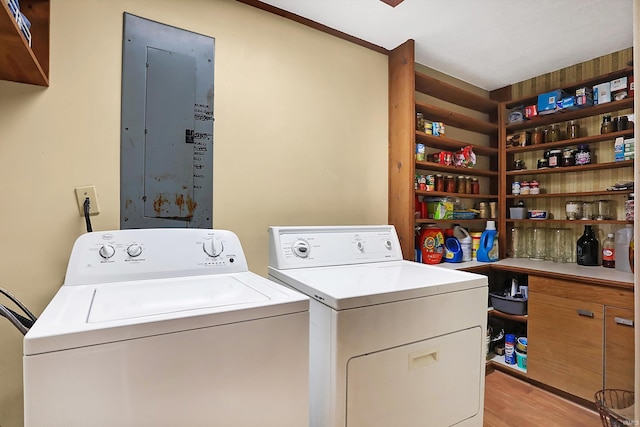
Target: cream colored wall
<point>300,137</point>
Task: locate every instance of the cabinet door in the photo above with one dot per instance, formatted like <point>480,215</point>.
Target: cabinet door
<point>619,348</point>
<point>565,347</point>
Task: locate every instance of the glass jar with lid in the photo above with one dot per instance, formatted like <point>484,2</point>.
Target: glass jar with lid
<point>573,130</point>
<point>583,155</point>
<point>573,209</point>
<point>554,158</point>
<point>568,157</point>
<point>537,136</point>
<point>607,125</point>
<point>554,133</point>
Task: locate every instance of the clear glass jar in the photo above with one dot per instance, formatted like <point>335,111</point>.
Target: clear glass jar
<point>573,209</point>
<point>461,184</point>
<point>475,186</point>
<point>555,158</point>
<point>573,130</point>
<point>537,136</point>
<point>604,209</point>
<point>589,210</point>
<point>554,133</point>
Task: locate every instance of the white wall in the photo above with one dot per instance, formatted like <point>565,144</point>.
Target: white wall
<point>300,137</point>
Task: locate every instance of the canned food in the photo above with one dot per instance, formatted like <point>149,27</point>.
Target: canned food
<point>515,188</point>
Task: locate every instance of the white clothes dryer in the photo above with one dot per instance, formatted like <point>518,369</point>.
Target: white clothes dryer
<point>392,342</point>
<point>167,327</point>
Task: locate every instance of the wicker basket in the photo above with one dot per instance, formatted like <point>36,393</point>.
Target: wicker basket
<point>611,403</point>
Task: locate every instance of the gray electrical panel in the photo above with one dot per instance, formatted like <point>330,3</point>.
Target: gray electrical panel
<point>166,135</point>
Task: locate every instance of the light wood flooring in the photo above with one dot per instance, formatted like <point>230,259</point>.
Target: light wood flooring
<point>509,401</point>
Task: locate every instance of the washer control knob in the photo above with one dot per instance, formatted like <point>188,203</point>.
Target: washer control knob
<point>301,248</point>
<point>212,247</point>
<point>107,251</point>
<point>360,246</point>
<point>387,244</point>
<point>134,250</point>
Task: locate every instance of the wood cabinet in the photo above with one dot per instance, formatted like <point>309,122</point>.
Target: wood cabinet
<point>570,336</point>
<point>465,115</point>
<point>18,61</point>
<point>618,350</point>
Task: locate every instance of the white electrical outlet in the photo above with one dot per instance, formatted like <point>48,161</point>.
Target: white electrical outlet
<point>82,193</point>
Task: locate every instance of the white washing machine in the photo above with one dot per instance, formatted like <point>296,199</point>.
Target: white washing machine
<point>392,342</point>
<point>167,327</point>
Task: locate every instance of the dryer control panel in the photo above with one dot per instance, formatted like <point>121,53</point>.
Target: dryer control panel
<point>140,254</point>
<point>298,247</point>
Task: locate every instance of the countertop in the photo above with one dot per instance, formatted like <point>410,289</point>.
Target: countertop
<point>569,271</point>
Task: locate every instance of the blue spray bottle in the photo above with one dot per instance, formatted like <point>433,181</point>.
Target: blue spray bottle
<point>488,248</point>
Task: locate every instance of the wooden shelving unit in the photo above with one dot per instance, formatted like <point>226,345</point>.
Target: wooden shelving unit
<point>19,62</point>
<point>404,83</point>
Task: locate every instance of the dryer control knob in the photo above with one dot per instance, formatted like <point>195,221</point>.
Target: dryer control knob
<point>134,250</point>
<point>107,251</point>
<point>301,248</point>
<point>212,247</point>
<point>360,246</point>
<point>387,244</point>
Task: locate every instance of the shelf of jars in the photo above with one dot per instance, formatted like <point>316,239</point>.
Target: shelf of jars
<point>445,143</point>
<point>569,221</point>
<point>605,137</point>
<point>566,169</point>
<point>453,170</point>
<point>563,116</point>
<point>571,194</point>
<point>459,195</point>
<point>456,120</point>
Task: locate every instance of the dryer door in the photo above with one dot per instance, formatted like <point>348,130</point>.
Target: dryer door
<point>435,382</point>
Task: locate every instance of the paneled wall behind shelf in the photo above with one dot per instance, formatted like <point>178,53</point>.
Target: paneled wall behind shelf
<point>583,181</point>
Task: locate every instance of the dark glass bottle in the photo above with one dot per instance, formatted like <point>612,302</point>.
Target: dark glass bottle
<point>588,247</point>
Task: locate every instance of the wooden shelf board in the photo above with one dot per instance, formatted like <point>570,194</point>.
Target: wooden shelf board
<point>453,94</point>
<point>445,143</point>
<point>459,195</point>
<point>456,120</point>
<point>529,100</point>
<point>573,194</point>
<point>567,169</point>
<point>19,63</point>
<point>572,221</point>
<point>579,113</point>
<point>476,220</point>
<point>498,313</point>
<point>571,142</point>
<point>454,170</point>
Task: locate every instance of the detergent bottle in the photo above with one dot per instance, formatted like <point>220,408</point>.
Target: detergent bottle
<point>488,249</point>
<point>432,244</point>
<point>465,240</point>
<point>452,249</point>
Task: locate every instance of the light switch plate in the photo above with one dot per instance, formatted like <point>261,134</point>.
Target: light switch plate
<point>82,193</point>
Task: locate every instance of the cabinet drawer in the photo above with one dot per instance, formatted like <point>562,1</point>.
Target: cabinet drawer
<point>619,348</point>
<point>565,346</point>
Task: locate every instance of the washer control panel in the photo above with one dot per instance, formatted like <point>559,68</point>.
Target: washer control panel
<point>297,247</point>
<point>122,255</point>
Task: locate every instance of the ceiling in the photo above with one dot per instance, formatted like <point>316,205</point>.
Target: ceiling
<point>488,43</point>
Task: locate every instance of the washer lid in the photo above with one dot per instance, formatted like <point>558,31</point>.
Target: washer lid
<point>133,300</point>
<point>352,286</point>
<point>85,315</point>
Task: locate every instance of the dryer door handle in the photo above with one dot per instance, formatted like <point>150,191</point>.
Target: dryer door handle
<point>421,359</point>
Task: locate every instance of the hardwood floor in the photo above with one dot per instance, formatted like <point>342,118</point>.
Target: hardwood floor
<point>512,402</point>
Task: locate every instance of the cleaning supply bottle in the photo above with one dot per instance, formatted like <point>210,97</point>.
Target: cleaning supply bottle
<point>608,252</point>
<point>488,249</point>
<point>465,240</point>
<point>452,250</point>
<point>432,244</point>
